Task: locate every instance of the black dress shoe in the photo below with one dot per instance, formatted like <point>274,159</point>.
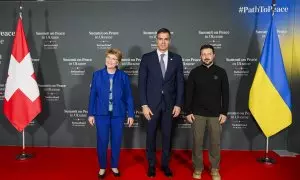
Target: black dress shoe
<point>151,172</point>
<point>116,174</point>
<point>101,176</point>
<point>167,171</point>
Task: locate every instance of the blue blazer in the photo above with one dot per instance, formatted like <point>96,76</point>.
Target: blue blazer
<point>152,84</point>
<point>99,94</point>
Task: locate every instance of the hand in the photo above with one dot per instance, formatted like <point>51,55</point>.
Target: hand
<point>147,112</point>
<point>176,111</point>
<point>190,118</point>
<point>222,118</point>
<point>91,120</point>
<point>130,121</point>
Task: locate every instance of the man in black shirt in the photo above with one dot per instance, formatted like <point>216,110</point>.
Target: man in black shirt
<point>207,105</point>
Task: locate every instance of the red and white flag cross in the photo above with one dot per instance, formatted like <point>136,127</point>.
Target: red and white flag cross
<point>22,101</point>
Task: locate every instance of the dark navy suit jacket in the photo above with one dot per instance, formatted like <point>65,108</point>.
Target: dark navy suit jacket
<point>152,84</point>
<point>99,94</point>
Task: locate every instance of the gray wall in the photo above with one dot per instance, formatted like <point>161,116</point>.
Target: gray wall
<point>68,39</point>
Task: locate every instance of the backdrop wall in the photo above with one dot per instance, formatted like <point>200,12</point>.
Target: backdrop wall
<point>68,39</point>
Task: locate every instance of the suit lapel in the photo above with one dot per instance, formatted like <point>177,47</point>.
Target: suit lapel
<point>105,78</point>
<point>170,64</point>
<point>156,63</point>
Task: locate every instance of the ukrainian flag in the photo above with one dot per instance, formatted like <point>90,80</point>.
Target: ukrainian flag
<point>270,95</point>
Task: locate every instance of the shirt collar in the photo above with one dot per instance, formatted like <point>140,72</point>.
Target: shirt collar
<point>159,53</point>
<point>208,66</point>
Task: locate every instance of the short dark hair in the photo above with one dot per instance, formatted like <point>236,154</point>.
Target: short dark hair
<point>163,30</point>
<point>207,46</point>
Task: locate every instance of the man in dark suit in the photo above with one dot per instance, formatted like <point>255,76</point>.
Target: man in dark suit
<point>161,89</point>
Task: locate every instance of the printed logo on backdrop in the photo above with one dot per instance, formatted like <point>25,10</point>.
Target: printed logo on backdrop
<point>103,39</point>
<point>7,33</point>
<point>262,33</point>
<point>52,92</point>
<point>35,62</point>
<point>4,34</point>
<point>214,37</point>
<point>182,123</point>
<point>78,117</point>
<point>51,39</point>
<point>239,120</point>
<point>262,9</point>
<point>138,115</point>
<point>2,89</point>
<point>241,66</point>
<point>151,35</point>
<point>131,66</point>
<point>189,64</point>
<point>77,65</point>
<point>33,123</point>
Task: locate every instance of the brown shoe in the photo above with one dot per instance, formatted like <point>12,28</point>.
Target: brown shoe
<point>197,174</point>
<point>215,174</point>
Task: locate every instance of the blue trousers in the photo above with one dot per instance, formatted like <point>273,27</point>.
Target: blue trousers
<point>109,126</point>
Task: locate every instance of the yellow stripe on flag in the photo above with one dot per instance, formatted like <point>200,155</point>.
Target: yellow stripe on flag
<point>267,106</point>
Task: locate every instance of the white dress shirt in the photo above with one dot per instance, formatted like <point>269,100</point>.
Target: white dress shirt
<point>165,58</point>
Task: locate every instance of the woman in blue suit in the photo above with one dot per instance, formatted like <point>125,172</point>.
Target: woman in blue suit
<point>109,104</point>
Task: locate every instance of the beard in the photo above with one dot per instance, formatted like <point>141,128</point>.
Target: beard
<point>206,62</point>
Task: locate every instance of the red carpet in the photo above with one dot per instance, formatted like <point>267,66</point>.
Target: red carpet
<point>81,164</point>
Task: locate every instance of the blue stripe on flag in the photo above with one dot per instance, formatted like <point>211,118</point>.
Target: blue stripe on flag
<point>272,62</point>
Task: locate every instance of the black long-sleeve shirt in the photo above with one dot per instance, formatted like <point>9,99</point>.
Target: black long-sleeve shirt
<point>207,91</point>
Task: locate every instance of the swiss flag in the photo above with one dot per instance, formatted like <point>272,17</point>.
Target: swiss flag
<point>22,97</point>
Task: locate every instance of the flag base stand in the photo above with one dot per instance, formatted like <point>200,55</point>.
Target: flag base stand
<point>266,160</point>
<point>24,156</point>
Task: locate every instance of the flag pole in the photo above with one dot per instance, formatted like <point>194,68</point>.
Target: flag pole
<point>23,155</point>
<point>266,159</point>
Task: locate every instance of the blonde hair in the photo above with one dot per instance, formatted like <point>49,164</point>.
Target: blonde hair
<point>115,52</point>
